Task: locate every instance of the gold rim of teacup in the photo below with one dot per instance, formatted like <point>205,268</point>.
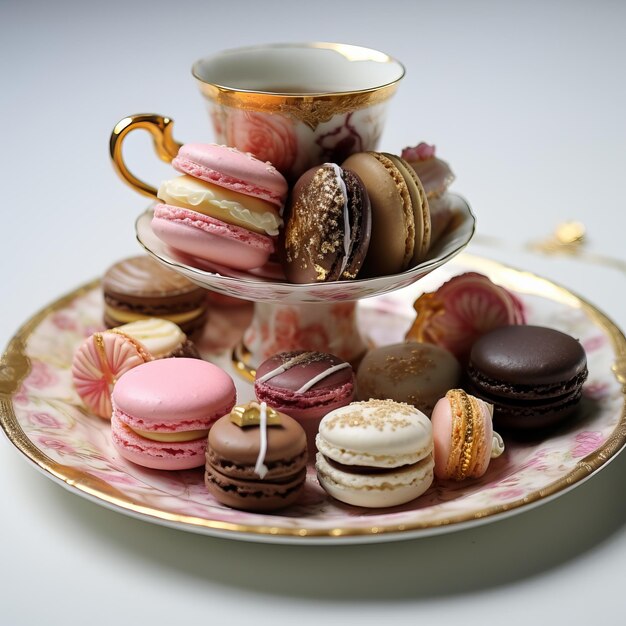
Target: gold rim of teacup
<point>311,108</point>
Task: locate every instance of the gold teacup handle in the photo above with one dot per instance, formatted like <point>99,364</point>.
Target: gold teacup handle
<point>164,145</point>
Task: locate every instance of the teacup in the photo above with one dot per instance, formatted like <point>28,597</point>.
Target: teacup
<point>298,105</point>
<point>294,105</point>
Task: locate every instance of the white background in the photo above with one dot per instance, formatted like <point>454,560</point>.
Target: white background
<point>525,100</point>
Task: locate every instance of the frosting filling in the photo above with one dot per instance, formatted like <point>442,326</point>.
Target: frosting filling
<point>221,203</point>
<point>185,435</point>
<point>125,316</point>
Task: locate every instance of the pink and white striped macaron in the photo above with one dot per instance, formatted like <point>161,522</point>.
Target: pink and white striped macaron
<point>163,410</point>
<point>232,169</point>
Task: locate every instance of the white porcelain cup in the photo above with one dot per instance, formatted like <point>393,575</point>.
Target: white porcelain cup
<point>298,104</point>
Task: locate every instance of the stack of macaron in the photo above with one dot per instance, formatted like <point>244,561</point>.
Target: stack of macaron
<point>224,209</point>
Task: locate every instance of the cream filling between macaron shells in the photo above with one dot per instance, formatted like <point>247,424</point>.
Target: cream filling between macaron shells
<point>221,203</point>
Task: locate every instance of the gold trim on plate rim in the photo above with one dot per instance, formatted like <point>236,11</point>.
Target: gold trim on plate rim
<point>15,366</point>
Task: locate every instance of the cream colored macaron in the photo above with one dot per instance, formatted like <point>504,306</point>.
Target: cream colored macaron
<point>375,454</point>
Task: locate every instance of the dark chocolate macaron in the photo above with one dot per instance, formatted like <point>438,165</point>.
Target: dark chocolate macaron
<point>256,459</point>
<point>140,287</point>
<point>327,226</point>
<point>532,375</point>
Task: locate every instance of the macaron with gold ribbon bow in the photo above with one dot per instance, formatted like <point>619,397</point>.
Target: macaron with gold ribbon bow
<point>256,459</point>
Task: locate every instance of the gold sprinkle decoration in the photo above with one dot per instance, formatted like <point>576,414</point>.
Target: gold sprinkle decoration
<point>249,414</point>
<point>382,414</point>
<point>399,368</point>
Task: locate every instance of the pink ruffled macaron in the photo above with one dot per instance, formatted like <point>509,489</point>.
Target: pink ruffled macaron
<point>464,440</point>
<point>224,209</point>
<point>97,364</point>
<point>163,410</point>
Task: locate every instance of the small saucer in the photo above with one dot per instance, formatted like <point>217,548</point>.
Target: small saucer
<point>263,287</point>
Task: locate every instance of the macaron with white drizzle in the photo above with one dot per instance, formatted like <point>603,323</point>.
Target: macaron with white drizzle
<point>327,226</point>
<point>305,385</point>
<point>256,459</point>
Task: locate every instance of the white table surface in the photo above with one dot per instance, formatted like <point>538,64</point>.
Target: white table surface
<point>525,100</point>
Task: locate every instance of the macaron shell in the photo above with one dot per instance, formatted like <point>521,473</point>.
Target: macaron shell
<point>375,491</point>
<point>140,287</point>
<point>210,239</point>
<point>528,356</point>
<point>392,238</point>
<point>421,211</point>
<point>233,451</point>
<point>251,495</point>
<point>160,337</point>
<point>97,365</point>
<point>223,204</point>
<point>416,373</point>
<point>172,395</point>
<point>232,169</point>
<point>377,433</point>
<point>154,454</point>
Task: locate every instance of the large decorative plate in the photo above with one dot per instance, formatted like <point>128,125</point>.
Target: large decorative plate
<point>44,418</point>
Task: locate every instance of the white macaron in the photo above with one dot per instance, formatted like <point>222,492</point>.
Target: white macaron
<point>375,454</point>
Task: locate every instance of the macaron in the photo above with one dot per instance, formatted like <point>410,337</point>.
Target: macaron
<point>436,176</point>
<point>232,169</point>
<point>415,373</point>
<point>464,440</point>
<point>256,459</point>
<point>306,385</point>
<point>207,238</point>
<point>400,215</point>
<point>461,311</point>
<point>163,410</point>
<point>161,339</point>
<point>328,226</point>
<point>98,363</point>
<point>375,454</point>
<point>140,287</point>
<point>533,375</point>
<point>225,208</point>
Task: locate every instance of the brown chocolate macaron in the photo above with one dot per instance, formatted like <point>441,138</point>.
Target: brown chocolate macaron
<point>256,459</point>
<point>140,287</point>
<point>400,214</point>
<point>327,226</point>
<point>531,374</point>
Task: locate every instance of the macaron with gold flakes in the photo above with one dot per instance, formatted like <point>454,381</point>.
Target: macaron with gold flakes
<point>375,454</point>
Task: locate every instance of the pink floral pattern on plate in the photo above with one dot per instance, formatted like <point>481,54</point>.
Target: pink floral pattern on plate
<point>52,417</point>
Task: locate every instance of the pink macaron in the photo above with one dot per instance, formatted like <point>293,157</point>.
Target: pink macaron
<point>232,169</point>
<point>225,208</point>
<point>163,410</point>
<point>306,386</point>
<point>210,239</point>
